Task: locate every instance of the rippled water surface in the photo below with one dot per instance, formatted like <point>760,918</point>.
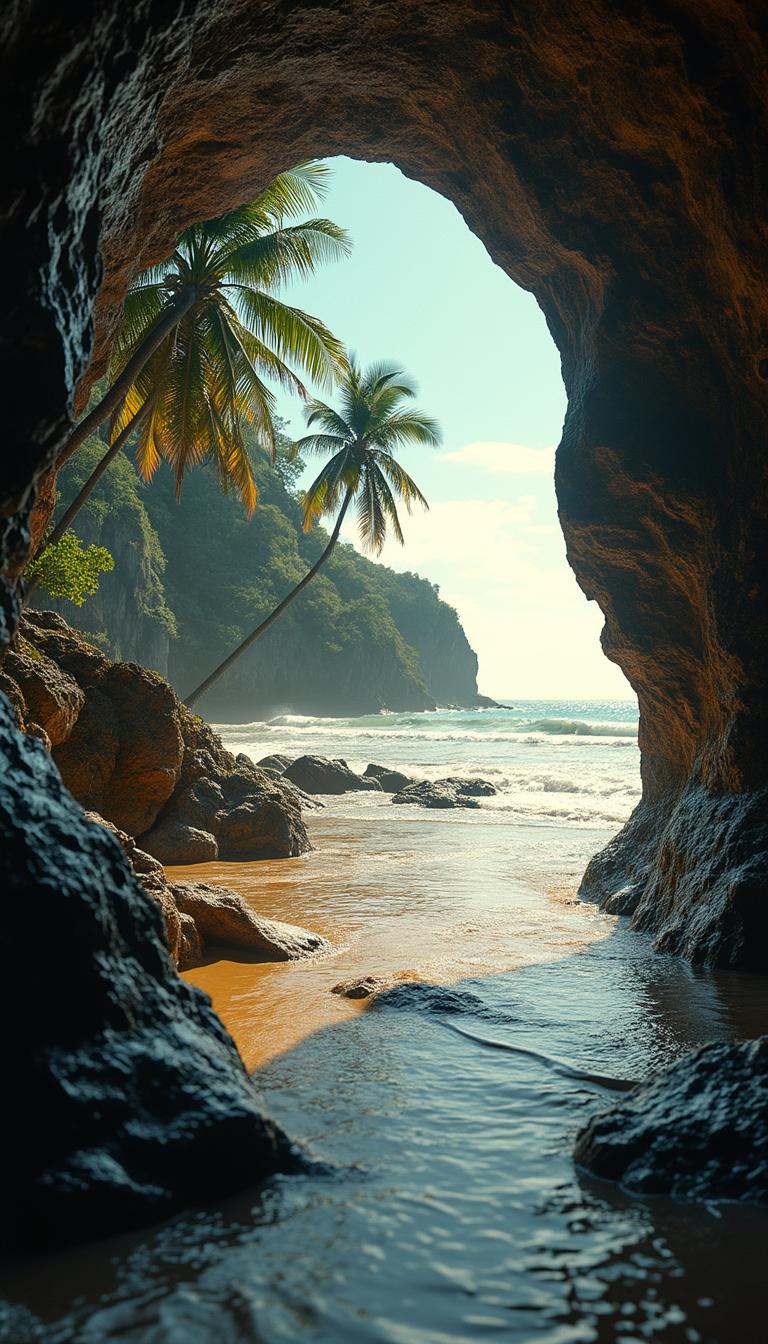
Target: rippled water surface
<point>448,1208</point>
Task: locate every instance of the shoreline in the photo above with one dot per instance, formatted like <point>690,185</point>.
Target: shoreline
<point>425,897</point>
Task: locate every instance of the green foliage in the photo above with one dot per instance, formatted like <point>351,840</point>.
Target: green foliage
<point>70,570</point>
<point>204,382</point>
<point>226,573</point>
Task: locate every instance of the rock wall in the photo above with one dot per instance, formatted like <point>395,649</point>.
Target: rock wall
<point>611,160</point>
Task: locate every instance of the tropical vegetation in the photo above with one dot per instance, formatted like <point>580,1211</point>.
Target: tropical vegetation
<point>204,334</point>
<point>190,582</point>
<point>68,569</point>
<point>361,441</point>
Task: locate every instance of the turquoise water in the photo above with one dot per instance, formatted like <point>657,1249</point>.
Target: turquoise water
<point>564,762</point>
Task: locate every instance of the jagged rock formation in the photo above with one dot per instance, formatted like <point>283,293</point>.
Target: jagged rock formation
<point>129,750</point>
<point>610,158</point>
<point>128,1095</point>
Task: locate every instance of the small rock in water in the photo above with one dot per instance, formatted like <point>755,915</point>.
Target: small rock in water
<point>391,781</point>
<point>471,788</point>
<point>363,988</point>
<point>437,793</point>
<point>318,774</point>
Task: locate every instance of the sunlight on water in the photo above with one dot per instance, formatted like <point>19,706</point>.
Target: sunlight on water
<point>450,1210</point>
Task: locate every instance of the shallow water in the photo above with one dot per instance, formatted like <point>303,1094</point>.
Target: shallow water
<point>451,1210</point>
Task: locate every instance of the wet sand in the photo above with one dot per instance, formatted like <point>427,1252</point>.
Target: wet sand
<point>407,896</point>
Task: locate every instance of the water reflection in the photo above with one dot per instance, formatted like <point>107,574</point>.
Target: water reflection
<point>453,1212</point>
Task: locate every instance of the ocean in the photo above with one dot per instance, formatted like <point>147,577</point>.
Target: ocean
<point>554,762</point>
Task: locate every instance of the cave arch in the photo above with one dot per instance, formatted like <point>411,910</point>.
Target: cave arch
<point>609,160</point>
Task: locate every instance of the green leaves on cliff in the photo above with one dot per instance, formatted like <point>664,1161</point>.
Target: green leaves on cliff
<point>70,570</point>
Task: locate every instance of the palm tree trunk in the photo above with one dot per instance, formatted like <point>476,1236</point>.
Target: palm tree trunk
<point>192,699</point>
<point>114,394</point>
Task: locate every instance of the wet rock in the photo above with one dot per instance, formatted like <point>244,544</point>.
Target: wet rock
<point>698,1130</point>
<point>224,919</point>
<point>275,762</point>
<point>434,793</point>
<point>391,781</point>
<point>172,841</point>
<point>319,774</point>
<point>470,788</point>
<point>129,1098</point>
<point>423,997</point>
<point>365,987</point>
<point>52,698</point>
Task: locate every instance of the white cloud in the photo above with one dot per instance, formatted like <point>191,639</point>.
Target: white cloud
<point>504,459</point>
<point>506,573</point>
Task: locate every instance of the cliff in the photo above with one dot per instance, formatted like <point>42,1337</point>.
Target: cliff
<point>191,580</point>
<point>129,614</point>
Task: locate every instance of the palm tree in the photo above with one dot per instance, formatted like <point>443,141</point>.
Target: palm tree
<point>202,330</point>
<point>362,439</point>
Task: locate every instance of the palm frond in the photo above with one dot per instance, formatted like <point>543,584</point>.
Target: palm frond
<point>406,427</point>
<point>397,476</point>
<point>317,445</point>
<point>293,335</point>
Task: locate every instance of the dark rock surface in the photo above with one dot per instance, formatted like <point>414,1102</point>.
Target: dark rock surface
<point>128,1095</point>
<point>277,763</point>
<point>698,1130</point>
<point>436,793</point>
<point>470,788</point>
<point>391,781</point>
<point>319,774</point>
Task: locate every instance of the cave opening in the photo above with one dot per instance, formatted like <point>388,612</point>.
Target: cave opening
<point>636,219</point>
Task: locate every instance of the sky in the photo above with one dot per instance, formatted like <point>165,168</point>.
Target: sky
<point>420,289</point>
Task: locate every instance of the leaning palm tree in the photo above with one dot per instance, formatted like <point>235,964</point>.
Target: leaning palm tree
<point>203,330</point>
<point>362,438</point>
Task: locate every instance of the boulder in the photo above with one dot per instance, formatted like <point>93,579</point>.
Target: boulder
<point>261,828</point>
<point>319,774</point>
<point>224,919</point>
<point>150,745</point>
<point>87,758</point>
<point>470,788</point>
<point>698,1130</point>
<point>174,842</point>
<point>136,756</point>
<point>276,762</point>
<point>391,781</point>
<point>434,793</point>
<point>198,917</point>
<point>53,699</point>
